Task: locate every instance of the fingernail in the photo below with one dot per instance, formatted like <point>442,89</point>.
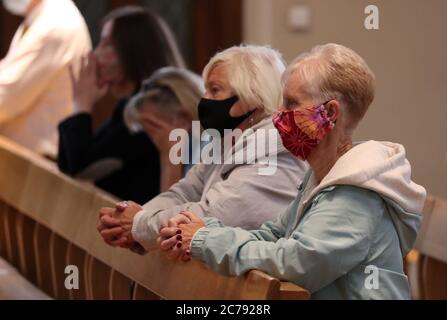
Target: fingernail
<point>179,245</point>
<point>179,231</point>
<point>179,238</point>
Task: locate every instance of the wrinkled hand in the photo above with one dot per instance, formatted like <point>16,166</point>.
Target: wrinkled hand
<point>176,240</point>
<point>86,89</point>
<point>115,224</point>
<point>170,238</point>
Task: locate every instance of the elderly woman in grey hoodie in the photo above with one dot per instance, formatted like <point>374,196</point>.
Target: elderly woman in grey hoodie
<point>357,211</point>
<point>243,90</point>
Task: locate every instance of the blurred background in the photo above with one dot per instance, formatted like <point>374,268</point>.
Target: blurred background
<point>408,55</point>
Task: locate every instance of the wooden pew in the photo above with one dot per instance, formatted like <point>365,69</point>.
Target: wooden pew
<point>48,222</point>
<point>427,264</point>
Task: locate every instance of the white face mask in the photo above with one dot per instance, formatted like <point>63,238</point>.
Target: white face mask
<point>17,7</point>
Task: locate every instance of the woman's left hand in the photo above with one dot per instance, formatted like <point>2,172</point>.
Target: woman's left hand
<point>188,232</point>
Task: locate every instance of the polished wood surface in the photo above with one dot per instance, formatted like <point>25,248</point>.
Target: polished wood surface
<point>427,263</point>
<point>48,221</point>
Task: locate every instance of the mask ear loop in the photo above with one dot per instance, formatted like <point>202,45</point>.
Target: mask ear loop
<point>331,123</point>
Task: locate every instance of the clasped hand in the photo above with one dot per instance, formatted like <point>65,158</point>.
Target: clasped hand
<point>175,236</point>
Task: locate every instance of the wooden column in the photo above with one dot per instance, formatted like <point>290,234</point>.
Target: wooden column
<point>217,26</point>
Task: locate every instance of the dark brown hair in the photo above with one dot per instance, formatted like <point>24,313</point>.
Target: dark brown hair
<point>143,42</point>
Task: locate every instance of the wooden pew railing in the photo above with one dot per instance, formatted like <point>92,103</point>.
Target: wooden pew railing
<point>427,264</point>
<point>48,222</point>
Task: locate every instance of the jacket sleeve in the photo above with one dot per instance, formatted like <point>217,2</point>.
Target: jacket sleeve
<point>245,199</point>
<point>26,72</point>
<point>179,197</point>
<point>333,237</point>
<point>269,231</point>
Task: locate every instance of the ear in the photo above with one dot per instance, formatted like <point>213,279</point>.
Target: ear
<point>333,110</point>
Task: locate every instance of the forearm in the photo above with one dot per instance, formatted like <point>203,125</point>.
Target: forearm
<point>224,250</point>
<point>308,262</point>
<point>180,197</point>
<point>169,173</point>
<point>186,190</point>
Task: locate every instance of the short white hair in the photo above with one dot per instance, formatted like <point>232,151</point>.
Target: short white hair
<point>254,73</point>
<point>333,71</point>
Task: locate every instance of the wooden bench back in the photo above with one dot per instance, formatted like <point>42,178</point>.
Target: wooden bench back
<point>431,246</point>
<point>48,222</point>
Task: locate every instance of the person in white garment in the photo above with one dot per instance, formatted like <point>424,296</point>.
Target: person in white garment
<point>35,82</point>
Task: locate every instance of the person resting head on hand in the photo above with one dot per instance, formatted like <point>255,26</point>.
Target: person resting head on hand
<point>357,209</point>
<point>167,101</point>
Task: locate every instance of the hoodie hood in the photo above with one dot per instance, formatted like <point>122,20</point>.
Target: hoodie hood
<point>383,167</point>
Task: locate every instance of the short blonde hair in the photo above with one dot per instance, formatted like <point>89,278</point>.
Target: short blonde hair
<point>254,73</point>
<point>187,87</point>
<point>174,90</point>
<point>332,71</point>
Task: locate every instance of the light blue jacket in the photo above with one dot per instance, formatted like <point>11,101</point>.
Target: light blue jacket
<point>344,238</point>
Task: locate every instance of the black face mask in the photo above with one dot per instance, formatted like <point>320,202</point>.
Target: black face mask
<point>215,114</point>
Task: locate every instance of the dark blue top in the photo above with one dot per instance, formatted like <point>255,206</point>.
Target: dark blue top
<point>79,146</point>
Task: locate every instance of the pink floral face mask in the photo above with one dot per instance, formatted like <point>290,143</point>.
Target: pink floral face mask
<point>303,129</point>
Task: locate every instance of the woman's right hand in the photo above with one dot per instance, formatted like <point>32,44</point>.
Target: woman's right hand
<point>86,89</point>
<point>110,70</point>
<point>115,224</point>
<point>170,237</point>
<point>158,129</point>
